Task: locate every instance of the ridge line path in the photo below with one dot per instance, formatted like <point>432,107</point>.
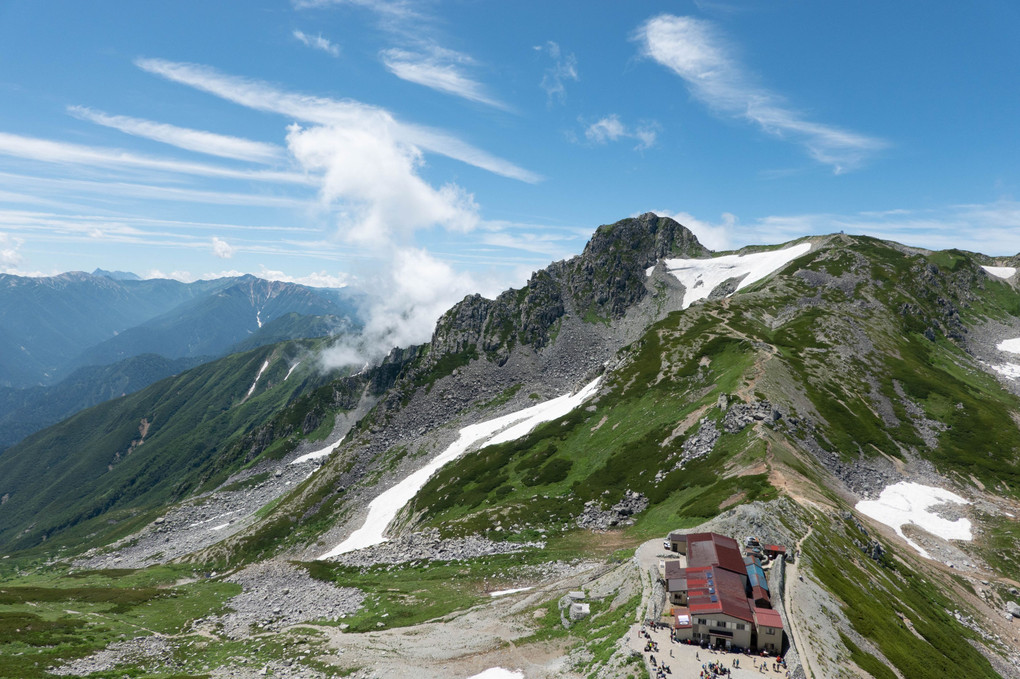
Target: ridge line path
<point>799,638</point>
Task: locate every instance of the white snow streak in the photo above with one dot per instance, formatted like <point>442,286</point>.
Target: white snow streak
<point>1001,271</point>
<point>907,502</point>
<point>1010,370</point>
<point>1010,345</point>
<point>701,276</point>
<point>291,370</point>
<point>315,454</point>
<point>504,592</point>
<point>498,673</point>
<point>261,370</point>
<point>383,509</point>
<point>221,526</point>
<point>258,317</point>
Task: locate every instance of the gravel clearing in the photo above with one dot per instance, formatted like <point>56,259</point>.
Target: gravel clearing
<point>276,595</point>
<point>154,650</point>
<point>428,546</point>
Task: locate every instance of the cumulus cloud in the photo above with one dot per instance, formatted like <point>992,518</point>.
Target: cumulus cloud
<point>373,180</point>
<point>713,235</point>
<point>10,257</point>
<point>317,42</point>
<point>988,228</point>
<point>407,298</point>
<point>564,68</point>
<point>182,137</point>
<point>610,128</point>
<point>222,248</point>
<point>440,69</point>
<point>694,50</point>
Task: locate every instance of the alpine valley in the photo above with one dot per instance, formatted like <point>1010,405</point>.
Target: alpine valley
<point>499,497</point>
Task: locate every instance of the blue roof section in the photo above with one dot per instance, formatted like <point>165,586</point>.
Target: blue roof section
<point>756,576</point>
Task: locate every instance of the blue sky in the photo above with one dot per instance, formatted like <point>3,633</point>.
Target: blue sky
<point>428,149</point>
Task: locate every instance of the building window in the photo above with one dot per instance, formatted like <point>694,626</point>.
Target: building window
<point>702,621</point>
<point>741,626</point>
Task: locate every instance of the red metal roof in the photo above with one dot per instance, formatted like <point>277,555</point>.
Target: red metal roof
<point>765,617</point>
<point>717,590</point>
<point>712,549</point>
<point>779,549</point>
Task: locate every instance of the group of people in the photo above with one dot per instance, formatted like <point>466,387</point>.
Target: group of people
<point>714,669</point>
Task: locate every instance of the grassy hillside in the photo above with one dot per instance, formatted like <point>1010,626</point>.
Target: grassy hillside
<point>105,467</point>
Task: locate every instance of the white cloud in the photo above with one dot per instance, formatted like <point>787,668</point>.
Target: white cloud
<point>150,192</point>
<point>322,111</point>
<point>564,68</point>
<point>390,10</point>
<point>440,69</point>
<point>10,257</point>
<point>317,42</point>
<point>374,178</point>
<point>185,138</point>
<point>988,228</point>
<point>610,128</point>
<point>65,153</point>
<point>222,248</point>
<point>714,236</point>
<point>692,49</point>
<point>407,298</point>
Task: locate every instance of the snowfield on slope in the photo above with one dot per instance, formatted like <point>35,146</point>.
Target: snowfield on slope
<point>907,502</point>
<point>1009,370</point>
<point>383,509</point>
<point>702,276</point>
<point>1000,271</point>
<point>1010,345</point>
<point>498,673</point>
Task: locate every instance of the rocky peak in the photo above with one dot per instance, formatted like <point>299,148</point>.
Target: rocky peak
<point>602,283</point>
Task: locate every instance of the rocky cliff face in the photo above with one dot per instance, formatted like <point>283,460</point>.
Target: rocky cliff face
<point>599,285</point>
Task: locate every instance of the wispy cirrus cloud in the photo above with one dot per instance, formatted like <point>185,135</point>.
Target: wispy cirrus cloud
<point>211,143</point>
<point>346,113</point>
<point>66,153</point>
<point>564,68</point>
<point>695,51</point>
<point>394,10</point>
<point>440,69</point>
<point>317,42</point>
<point>611,128</point>
<point>87,188</point>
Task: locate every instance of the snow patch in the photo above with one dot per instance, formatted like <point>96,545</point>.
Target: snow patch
<point>701,276</point>
<point>1000,271</point>
<point>1010,345</point>
<point>316,454</point>
<point>258,317</point>
<point>908,502</point>
<point>291,370</point>
<point>498,673</point>
<point>221,526</point>
<point>505,592</point>
<point>261,370</point>
<point>1010,370</point>
<point>383,509</point>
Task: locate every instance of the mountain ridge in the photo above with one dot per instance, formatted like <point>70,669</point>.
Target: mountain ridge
<point>771,411</point>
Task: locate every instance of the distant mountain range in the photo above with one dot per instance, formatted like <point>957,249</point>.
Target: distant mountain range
<point>71,341</point>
